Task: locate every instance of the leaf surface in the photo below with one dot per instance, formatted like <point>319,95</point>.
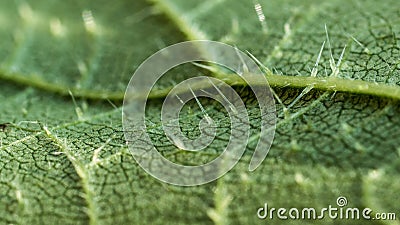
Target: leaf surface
<point>64,67</point>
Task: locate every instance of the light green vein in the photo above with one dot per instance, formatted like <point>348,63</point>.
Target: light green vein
<point>320,83</point>
<point>82,173</point>
<point>328,84</point>
<point>39,83</point>
<point>180,19</point>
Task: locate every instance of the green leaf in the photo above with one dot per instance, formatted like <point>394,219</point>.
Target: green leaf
<point>64,67</point>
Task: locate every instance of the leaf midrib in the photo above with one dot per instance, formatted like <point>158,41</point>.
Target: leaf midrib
<point>334,84</point>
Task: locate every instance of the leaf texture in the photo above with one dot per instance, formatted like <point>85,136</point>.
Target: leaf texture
<point>64,67</point>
